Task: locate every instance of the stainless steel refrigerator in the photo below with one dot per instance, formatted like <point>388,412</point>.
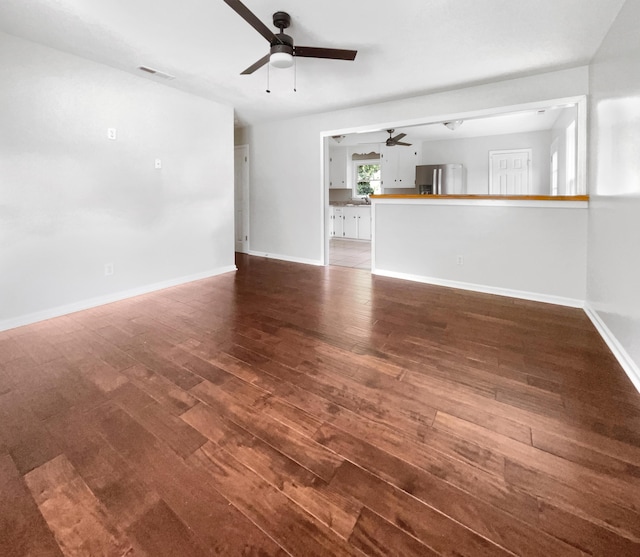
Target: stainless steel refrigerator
<point>440,179</point>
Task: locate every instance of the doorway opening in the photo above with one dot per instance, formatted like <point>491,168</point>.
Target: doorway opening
<point>241,198</point>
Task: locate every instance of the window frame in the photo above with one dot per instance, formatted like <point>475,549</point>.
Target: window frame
<point>362,162</point>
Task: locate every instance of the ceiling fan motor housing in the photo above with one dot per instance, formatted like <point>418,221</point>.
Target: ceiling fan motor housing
<point>283,44</point>
<point>281,20</point>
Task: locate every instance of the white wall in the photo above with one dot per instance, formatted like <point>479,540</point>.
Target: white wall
<point>286,196</point>
<point>534,252</point>
<point>614,175</point>
<point>559,134</point>
<point>71,200</point>
<point>473,153</point>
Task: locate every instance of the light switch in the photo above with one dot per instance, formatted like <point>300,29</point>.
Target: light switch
<point>112,133</point>
<point>158,163</point>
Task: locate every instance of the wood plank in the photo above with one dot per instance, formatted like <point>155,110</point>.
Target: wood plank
<point>467,477</point>
<point>575,475</point>
<point>165,392</point>
<point>162,534</point>
<point>296,446</point>
<point>579,453</point>
<point>597,510</point>
<point>117,485</point>
<point>295,530</point>
<point>148,354</point>
<point>298,483</point>
<point>102,375</point>
<point>436,530</point>
<point>187,490</point>
<point>23,530</point>
<point>80,524</point>
<point>583,534</point>
<point>166,427</point>
<point>504,529</point>
<point>379,538</point>
<point>23,434</point>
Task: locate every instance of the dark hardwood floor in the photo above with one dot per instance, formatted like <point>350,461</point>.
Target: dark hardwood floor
<point>295,410</point>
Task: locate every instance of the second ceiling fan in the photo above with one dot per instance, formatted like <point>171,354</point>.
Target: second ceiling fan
<point>393,141</point>
<point>282,48</point>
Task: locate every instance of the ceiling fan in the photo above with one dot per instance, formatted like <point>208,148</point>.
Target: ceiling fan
<point>282,48</point>
<point>393,141</point>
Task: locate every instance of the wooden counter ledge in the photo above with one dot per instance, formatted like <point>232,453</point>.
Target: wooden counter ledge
<point>496,197</point>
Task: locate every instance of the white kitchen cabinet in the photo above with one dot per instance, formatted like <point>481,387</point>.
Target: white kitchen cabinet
<point>337,222</point>
<point>350,222</point>
<point>338,168</point>
<point>357,223</point>
<point>399,165</point>
<point>364,223</point>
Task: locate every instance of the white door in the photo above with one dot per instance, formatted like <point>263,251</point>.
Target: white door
<point>241,186</point>
<point>510,172</point>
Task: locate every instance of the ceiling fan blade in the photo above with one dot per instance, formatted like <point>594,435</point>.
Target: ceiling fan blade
<point>402,143</point>
<point>257,65</point>
<point>246,14</point>
<point>398,137</point>
<point>332,53</point>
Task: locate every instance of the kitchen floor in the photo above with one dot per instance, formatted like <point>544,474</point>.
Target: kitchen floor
<point>350,253</point>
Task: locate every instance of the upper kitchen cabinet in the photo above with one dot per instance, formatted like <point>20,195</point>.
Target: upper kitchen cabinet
<point>338,168</point>
<point>399,165</point>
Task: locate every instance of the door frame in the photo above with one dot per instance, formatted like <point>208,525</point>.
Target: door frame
<point>529,152</point>
<point>244,184</point>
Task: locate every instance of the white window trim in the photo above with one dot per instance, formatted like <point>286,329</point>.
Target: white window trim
<point>355,165</point>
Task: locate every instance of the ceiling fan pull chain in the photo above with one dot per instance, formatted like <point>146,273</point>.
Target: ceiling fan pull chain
<point>268,90</point>
<point>295,75</point>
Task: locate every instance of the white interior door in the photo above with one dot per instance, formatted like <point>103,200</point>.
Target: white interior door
<point>510,172</point>
<point>241,186</point>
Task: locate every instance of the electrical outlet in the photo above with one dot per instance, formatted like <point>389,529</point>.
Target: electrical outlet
<point>112,134</point>
<point>158,163</point>
<point>108,269</point>
<point>460,260</point>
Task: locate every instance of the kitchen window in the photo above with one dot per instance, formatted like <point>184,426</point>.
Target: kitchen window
<point>367,178</point>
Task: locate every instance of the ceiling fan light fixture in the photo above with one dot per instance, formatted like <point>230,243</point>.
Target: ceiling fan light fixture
<point>281,60</point>
<point>453,125</point>
<point>281,55</point>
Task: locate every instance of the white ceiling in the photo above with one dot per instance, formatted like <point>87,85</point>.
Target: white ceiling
<point>405,48</point>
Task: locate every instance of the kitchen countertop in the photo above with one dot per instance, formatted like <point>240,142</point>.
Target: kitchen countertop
<point>523,201</point>
<point>490,197</point>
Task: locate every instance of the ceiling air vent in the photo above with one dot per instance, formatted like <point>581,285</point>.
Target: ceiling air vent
<point>157,73</point>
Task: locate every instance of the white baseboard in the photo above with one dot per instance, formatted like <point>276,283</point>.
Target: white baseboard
<point>624,359</point>
<point>304,261</point>
<point>521,294</point>
<point>107,299</point>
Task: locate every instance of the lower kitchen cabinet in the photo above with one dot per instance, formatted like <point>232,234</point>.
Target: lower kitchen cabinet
<point>364,223</point>
<point>357,223</point>
<point>350,222</point>
<point>337,222</point>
